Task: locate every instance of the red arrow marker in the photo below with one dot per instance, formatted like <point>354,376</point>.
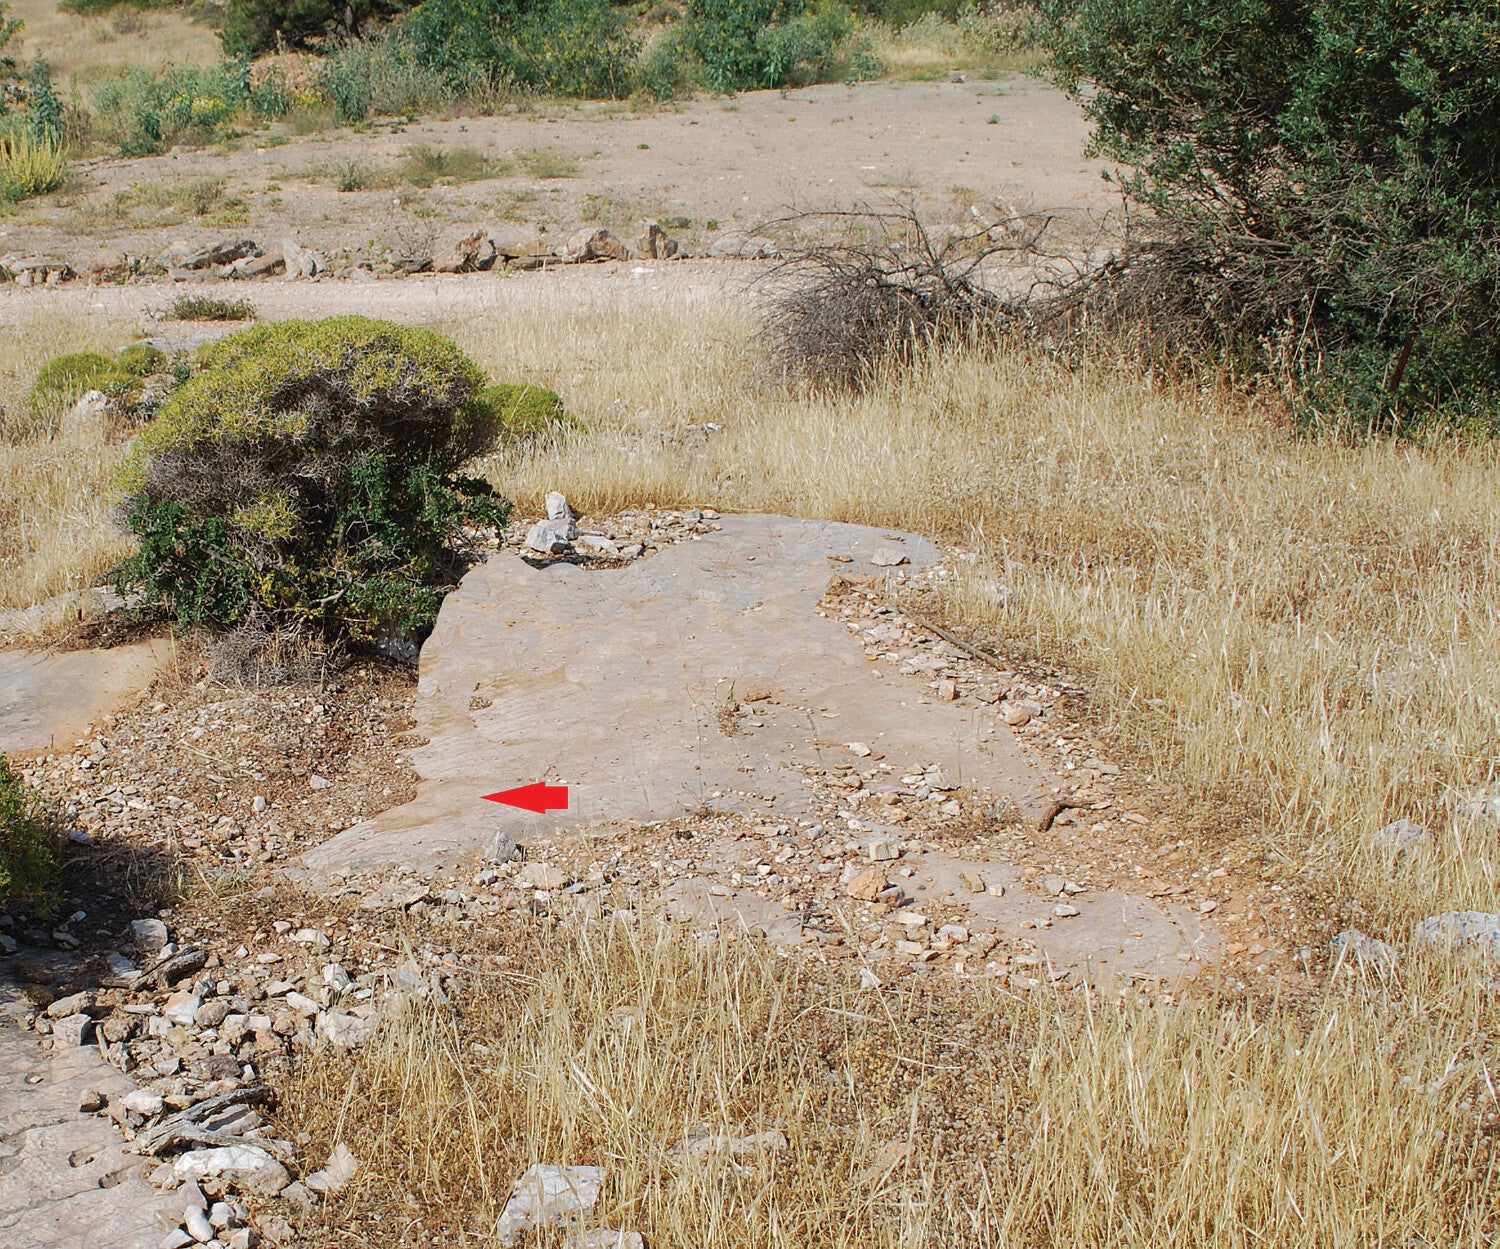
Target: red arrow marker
<point>538,797</point>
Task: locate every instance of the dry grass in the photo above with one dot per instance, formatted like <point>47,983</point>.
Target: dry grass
<point>920,1117</point>
<point>55,534</point>
<point>85,49</point>
<point>932,46</point>
<point>1296,637</point>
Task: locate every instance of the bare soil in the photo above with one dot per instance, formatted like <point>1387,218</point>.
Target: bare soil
<point>719,164</point>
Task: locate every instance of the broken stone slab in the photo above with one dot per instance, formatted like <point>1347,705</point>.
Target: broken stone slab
<point>299,261</point>
<point>472,253</point>
<point>246,1167</point>
<point>1471,931</point>
<point>1401,837</point>
<point>1480,807</point>
<point>743,247</point>
<point>73,1030</point>
<point>219,252</point>
<point>64,1179</point>
<point>261,266</point>
<point>335,1174</point>
<point>550,537</point>
<point>50,698</point>
<point>607,1238</point>
<point>1353,945</point>
<point>198,1123</point>
<point>548,1196</point>
<point>344,1031</point>
<point>518,243</point>
<point>38,265</point>
<point>655,244</point>
<point>504,693</point>
<point>704,1140</point>
<point>593,243</point>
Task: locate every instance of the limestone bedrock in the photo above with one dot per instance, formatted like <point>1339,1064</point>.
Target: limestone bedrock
<point>47,700</point>
<point>615,682</point>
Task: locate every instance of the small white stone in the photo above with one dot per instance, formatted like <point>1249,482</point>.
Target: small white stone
<point>860,749</point>
<point>149,935</point>
<point>1064,911</point>
<point>197,1224</point>
<point>143,1102</point>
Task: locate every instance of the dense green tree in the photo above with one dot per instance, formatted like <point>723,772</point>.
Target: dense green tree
<point>1333,165</point>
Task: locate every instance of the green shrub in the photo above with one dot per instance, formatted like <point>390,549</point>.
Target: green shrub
<point>566,47</point>
<point>28,847</point>
<point>143,114</point>
<point>63,380</point>
<point>901,13</point>
<point>526,412</point>
<point>210,308</point>
<point>142,359</point>
<point>665,71</point>
<point>305,475</point>
<point>1324,178</point>
<point>29,166</point>
<point>577,48</point>
<point>743,44</point>
<point>250,27</point>
<point>381,78</point>
<point>44,111</point>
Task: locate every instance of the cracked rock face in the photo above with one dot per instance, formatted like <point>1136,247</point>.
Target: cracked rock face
<point>614,682</point>
<point>64,1178</point>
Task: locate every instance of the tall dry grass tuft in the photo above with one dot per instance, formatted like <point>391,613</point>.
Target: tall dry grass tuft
<point>922,1117</point>
<point>55,533</point>
<point>85,49</point>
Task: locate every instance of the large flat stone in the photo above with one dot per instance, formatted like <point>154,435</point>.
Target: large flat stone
<point>612,681</point>
<point>65,1179</point>
<point>48,698</point>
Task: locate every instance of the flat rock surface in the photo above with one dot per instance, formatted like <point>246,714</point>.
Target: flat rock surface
<point>48,698</point>
<point>65,1181</point>
<point>613,682</point>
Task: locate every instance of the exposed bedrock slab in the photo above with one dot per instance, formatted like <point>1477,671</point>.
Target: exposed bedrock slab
<point>48,699</point>
<point>612,681</point>
<point>65,1180</point>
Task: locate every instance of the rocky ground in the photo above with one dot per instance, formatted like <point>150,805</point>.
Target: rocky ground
<point>199,968</point>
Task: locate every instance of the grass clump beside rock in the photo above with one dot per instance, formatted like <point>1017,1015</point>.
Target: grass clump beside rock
<point>65,379</point>
<point>28,858</point>
<point>305,479</point>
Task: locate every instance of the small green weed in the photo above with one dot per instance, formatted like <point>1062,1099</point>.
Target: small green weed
<point>210,308</point>
<point>547,162</point>
<point>28,846</point>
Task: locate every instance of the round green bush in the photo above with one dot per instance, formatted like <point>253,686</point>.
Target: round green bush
<point>64,380</point>
<point>526,412</point>
<point>142,360</point>
<point>306,475</point>
<point>28,858</point>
